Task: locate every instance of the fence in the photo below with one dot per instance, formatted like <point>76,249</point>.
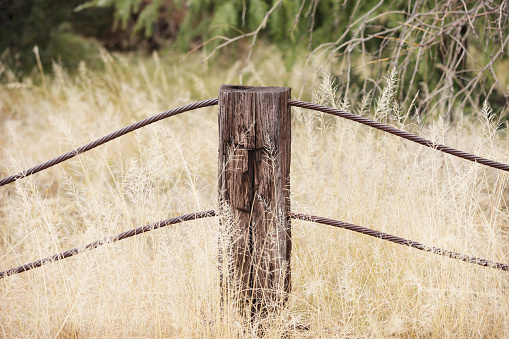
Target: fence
<point>254,121</point>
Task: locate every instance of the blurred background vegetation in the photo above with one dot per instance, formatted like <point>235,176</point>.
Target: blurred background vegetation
<point>450,54</point>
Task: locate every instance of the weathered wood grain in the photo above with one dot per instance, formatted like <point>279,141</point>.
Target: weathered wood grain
<point>254,183</point>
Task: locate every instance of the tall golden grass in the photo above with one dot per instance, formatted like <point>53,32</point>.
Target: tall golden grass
<point>166,283</point>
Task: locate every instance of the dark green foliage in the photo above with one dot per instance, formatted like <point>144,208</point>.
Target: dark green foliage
<point>442,50</point>
<point>139,24</point>
<point>25,23</point>
<point>47,24</point>
<point>69,49</point>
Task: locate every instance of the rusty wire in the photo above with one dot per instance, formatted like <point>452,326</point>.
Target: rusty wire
<point>398,240</point>
<point>400,133</point>
<point>108,240</point>
<point>109,137</point>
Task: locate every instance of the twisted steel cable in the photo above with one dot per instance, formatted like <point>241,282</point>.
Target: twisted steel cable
<point>109,137</point>
<point>400,133</point>
<point>300,216</point>
<point>108,240</point>
<point>398,240</point>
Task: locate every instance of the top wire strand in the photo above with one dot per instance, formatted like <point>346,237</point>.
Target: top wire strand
<point>401,134</point>
<point>109,137</point>
<point>296,103</point>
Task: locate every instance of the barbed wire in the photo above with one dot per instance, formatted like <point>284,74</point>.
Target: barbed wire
<point>398,240</point>
<point>108,240</point>
<point>400,133</point>
<point>109,137</point>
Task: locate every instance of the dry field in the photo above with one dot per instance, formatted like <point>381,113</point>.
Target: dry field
<point>166,283</point>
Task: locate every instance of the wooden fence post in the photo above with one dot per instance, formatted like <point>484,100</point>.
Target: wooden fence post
<point>254,184</point>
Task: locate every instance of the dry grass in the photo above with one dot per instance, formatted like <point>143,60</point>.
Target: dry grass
<point>165,283</point>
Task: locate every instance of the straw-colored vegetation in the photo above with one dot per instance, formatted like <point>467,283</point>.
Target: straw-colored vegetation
<point>166,283</point>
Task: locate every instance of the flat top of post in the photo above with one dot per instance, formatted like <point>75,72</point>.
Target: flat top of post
<point>252,89</point>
